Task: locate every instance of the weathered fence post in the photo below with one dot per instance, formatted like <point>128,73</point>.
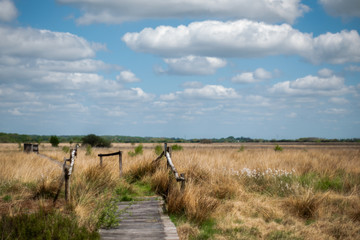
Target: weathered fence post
<point>165,151</point>
<point>100,160</point>
<point>182,175</point>
<point>67,184</point>
<point>120,163</point>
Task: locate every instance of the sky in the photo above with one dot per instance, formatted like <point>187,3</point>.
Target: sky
<point>272,69</point>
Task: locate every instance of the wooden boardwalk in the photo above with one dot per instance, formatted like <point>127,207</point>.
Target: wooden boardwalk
<point>142,220</point>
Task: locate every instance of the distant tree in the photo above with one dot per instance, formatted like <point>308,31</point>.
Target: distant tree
<point>95,141</point>
<point>54,140</point>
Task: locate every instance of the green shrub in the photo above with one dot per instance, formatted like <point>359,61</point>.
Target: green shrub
<point>137,151</point>
<point>54,140</point>
<point>158,149</point>
<point>242,148</point>
<point>277,148</point>
<point>176,147</point>
<point>88,150</point>
<point>43,225</point>
<point>95,141</point>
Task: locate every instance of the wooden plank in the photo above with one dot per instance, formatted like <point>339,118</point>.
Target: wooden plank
<point>142,220</point>
<point>109,154</point>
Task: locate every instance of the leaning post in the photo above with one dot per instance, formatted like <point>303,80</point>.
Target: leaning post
<point>120,163</point>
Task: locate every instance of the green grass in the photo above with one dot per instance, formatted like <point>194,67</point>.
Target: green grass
<point>339,182</point>
<point>43,225</point>
<point>242,233</point>
<point>282,235</point>
<point>207,230</point>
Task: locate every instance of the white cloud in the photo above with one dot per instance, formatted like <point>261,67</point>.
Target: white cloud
<point>342,8</point>
<point>127,76</point>
<point>193,65</point>
<point>114,11</point>
<point>315,82</point>
<point>45,44</point>
<point>291,115</point>
<point>353,68</point>
<point>338,100</point>
<point>243,39</point>
<point>312,85</point>
<point>336,111</point>
<point>8,11</point>
<point>211,92</point>
<point>215,92</point>
<point>15,112</point>
<point>257,100</point>
<point>83,65</point>
<point>325,72</point>
<point>258,75</point>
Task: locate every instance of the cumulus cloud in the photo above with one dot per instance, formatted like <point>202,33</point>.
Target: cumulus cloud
<point>258,75</point>
<point>44,44</point>
<point>312,85</point>
<point>342,8</point>
<point>192,65</point>
<point>325,72</point>
<point>127,76</point>
<point>83,65</point>
<point>114,11</point>
<point>8,11</point>
<point>215,92</point>
<point>243,39</point>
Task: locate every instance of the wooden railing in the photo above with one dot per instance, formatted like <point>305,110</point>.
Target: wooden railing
<point>167,153</point>
<point>112,154</point>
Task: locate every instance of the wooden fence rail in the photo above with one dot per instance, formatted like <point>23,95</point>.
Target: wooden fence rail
<point>167,153</point>
<point>112,154</point>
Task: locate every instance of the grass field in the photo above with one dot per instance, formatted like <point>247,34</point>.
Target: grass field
<point>233,191</point>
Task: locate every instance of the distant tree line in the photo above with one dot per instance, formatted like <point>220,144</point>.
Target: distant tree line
<point>106,139</point>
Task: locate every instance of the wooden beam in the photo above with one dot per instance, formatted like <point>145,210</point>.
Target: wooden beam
<point>109,154</point>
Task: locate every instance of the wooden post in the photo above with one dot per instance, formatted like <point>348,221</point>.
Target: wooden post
<point>120,163</point>
<point>165,151</point>
<point>169,149</point>
<point>100,161</point>
<point>182,175</point>
<point>67,184</point>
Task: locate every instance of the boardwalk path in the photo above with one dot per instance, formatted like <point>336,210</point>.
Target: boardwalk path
<point>143,220</point>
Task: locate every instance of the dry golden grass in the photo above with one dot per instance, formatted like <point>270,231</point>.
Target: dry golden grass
<point>315,193</point>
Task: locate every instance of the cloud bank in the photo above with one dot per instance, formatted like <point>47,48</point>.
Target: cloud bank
<point>245,39</point>
<point>114,11</point>
<point>342,8</point>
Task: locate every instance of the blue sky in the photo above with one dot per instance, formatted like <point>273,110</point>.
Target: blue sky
<point>268,69</point>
